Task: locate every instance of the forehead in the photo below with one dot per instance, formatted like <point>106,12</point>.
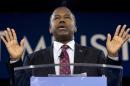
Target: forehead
<point>62,11</point>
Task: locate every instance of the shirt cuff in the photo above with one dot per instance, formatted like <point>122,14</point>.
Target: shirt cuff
<point>114,58</point>
<point>11,62</point>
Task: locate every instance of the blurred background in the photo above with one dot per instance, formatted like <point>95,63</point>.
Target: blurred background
<point>95,19</point>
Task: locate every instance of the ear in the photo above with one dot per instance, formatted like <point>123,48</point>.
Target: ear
<point>75,29</point>
<point>50,30</point>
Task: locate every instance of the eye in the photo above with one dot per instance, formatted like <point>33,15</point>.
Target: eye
<point>67,17</point>
<point>56,18</point>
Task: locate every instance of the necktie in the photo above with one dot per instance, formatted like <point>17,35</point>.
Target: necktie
<point>64,61</point>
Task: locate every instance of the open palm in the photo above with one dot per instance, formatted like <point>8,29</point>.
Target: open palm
<point>10,39</point>
<point>114,44</point>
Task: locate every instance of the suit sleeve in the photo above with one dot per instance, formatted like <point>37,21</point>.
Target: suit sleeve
<point>106,60</point>
<point>114,76</point>
<point>20,77</point>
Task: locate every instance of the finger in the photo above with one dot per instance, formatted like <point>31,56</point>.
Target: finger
<point>7,35</point>
<point>14,34</point>
<point>126,38</point>
<point>108,38</point>
<point>122,30</point>
<point>22,42</point>
<point>10,33</point>
<point>125,33</point>
<point>3,39</point>
<point>117,30</point>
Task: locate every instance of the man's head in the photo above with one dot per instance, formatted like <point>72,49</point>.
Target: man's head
<point>62,24</point>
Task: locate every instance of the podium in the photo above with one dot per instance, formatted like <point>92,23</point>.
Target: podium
<point>84,74</point>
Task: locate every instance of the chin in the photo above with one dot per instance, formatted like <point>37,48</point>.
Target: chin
<point>63,34</point>
<point>62,38</point>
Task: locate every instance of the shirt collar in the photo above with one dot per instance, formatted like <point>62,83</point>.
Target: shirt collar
<point>57,45</point>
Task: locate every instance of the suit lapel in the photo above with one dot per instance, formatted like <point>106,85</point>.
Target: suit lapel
<point>51,59</point>
<point>51,55</point>
<point>78,55</point>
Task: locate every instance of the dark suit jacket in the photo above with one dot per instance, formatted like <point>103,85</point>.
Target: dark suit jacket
<point>82,55</point>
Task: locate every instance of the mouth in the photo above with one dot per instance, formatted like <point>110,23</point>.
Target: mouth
<point>62,28</point>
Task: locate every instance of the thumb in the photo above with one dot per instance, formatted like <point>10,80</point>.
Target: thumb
<point>108,38</point>
<point>22,42</point>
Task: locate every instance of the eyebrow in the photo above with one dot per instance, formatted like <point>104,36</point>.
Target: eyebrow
<point>56,15</point>
<point>68,14</point>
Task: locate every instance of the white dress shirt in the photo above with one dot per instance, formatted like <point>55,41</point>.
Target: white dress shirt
<point>57,52</point>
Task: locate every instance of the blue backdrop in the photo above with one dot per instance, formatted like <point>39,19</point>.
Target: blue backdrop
<point>92,31</point>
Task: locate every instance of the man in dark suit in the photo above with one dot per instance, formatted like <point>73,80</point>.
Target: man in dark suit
<point>63,27</point>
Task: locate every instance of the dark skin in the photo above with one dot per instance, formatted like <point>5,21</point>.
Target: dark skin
<point>63,27</point>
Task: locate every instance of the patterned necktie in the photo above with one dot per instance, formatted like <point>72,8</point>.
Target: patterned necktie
<point>64,61</point>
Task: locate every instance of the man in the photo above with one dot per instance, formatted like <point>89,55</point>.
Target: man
<point>63,27</point>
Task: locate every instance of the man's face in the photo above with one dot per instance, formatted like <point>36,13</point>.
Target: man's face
<point>62,24</point>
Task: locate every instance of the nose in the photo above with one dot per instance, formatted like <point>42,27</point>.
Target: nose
<point>62,21</point>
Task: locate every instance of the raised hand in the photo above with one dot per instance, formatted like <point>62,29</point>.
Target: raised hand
<point>14,48</point>
<point>120,37</point>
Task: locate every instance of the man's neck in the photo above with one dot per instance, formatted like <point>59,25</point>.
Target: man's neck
<point>64,42</point>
